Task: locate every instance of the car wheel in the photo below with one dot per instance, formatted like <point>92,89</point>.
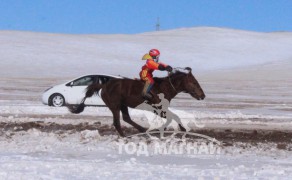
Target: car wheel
<point>57,100</point>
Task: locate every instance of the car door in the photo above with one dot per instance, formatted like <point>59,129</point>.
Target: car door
<point>76,89</point>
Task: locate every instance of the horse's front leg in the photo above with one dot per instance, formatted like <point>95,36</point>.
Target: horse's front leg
<point>164,126</point>
<point>177,119</point>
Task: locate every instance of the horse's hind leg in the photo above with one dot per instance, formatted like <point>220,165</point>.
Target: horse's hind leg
<point>117,123</point>
<point>127,118</point>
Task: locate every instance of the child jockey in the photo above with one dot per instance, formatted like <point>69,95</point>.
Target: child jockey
<point>152,64</point>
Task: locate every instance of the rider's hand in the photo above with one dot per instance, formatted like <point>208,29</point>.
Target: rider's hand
<point>168,68</point>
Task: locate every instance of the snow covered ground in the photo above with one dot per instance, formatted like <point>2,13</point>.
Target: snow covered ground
<point>246,77</point>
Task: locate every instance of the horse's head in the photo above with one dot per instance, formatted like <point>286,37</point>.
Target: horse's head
<point>192,86</point>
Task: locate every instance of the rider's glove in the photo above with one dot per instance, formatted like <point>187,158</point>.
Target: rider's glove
<point>168,68</point>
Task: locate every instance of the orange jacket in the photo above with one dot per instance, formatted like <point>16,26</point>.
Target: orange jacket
<point>150,66</point>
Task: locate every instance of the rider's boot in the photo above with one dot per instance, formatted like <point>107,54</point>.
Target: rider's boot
<point>149,95</point>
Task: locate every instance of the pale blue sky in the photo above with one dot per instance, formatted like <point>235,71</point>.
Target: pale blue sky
<point>137,16</point>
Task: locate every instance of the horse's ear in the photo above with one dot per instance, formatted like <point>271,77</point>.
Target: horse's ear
<point>188,69</point>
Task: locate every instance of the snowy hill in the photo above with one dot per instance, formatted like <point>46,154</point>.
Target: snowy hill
<point>204,48</point>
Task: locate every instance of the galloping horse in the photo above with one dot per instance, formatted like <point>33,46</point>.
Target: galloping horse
<point>119,94</point>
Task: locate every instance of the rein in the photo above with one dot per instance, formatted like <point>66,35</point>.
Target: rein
<point>171,84</point>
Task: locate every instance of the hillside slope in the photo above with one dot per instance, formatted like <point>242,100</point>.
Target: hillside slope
<point>203,48</point>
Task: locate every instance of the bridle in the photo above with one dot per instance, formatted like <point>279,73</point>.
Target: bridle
<point>169,79</point>
<point>171,83</point>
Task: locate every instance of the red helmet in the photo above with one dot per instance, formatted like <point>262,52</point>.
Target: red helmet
<point>154,53</point>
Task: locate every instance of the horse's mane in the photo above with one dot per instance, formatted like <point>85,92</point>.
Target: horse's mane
<point>172,76</point>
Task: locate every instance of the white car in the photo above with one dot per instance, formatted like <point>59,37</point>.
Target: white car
<point>73,91</point>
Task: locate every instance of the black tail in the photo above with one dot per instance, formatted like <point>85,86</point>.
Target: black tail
<point>90,91</point>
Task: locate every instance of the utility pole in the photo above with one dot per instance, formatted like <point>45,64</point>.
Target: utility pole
<point>157,25</point>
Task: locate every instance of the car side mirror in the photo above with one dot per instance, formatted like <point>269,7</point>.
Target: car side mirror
<point>70,84</point>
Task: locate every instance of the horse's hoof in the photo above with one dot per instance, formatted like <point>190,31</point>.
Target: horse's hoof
<point>182,128</point>
<point>142,130</point>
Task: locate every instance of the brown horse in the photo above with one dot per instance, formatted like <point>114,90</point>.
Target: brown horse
<point>119,94</point>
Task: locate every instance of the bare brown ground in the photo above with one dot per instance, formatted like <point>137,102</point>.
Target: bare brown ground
<point>283,139</point>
